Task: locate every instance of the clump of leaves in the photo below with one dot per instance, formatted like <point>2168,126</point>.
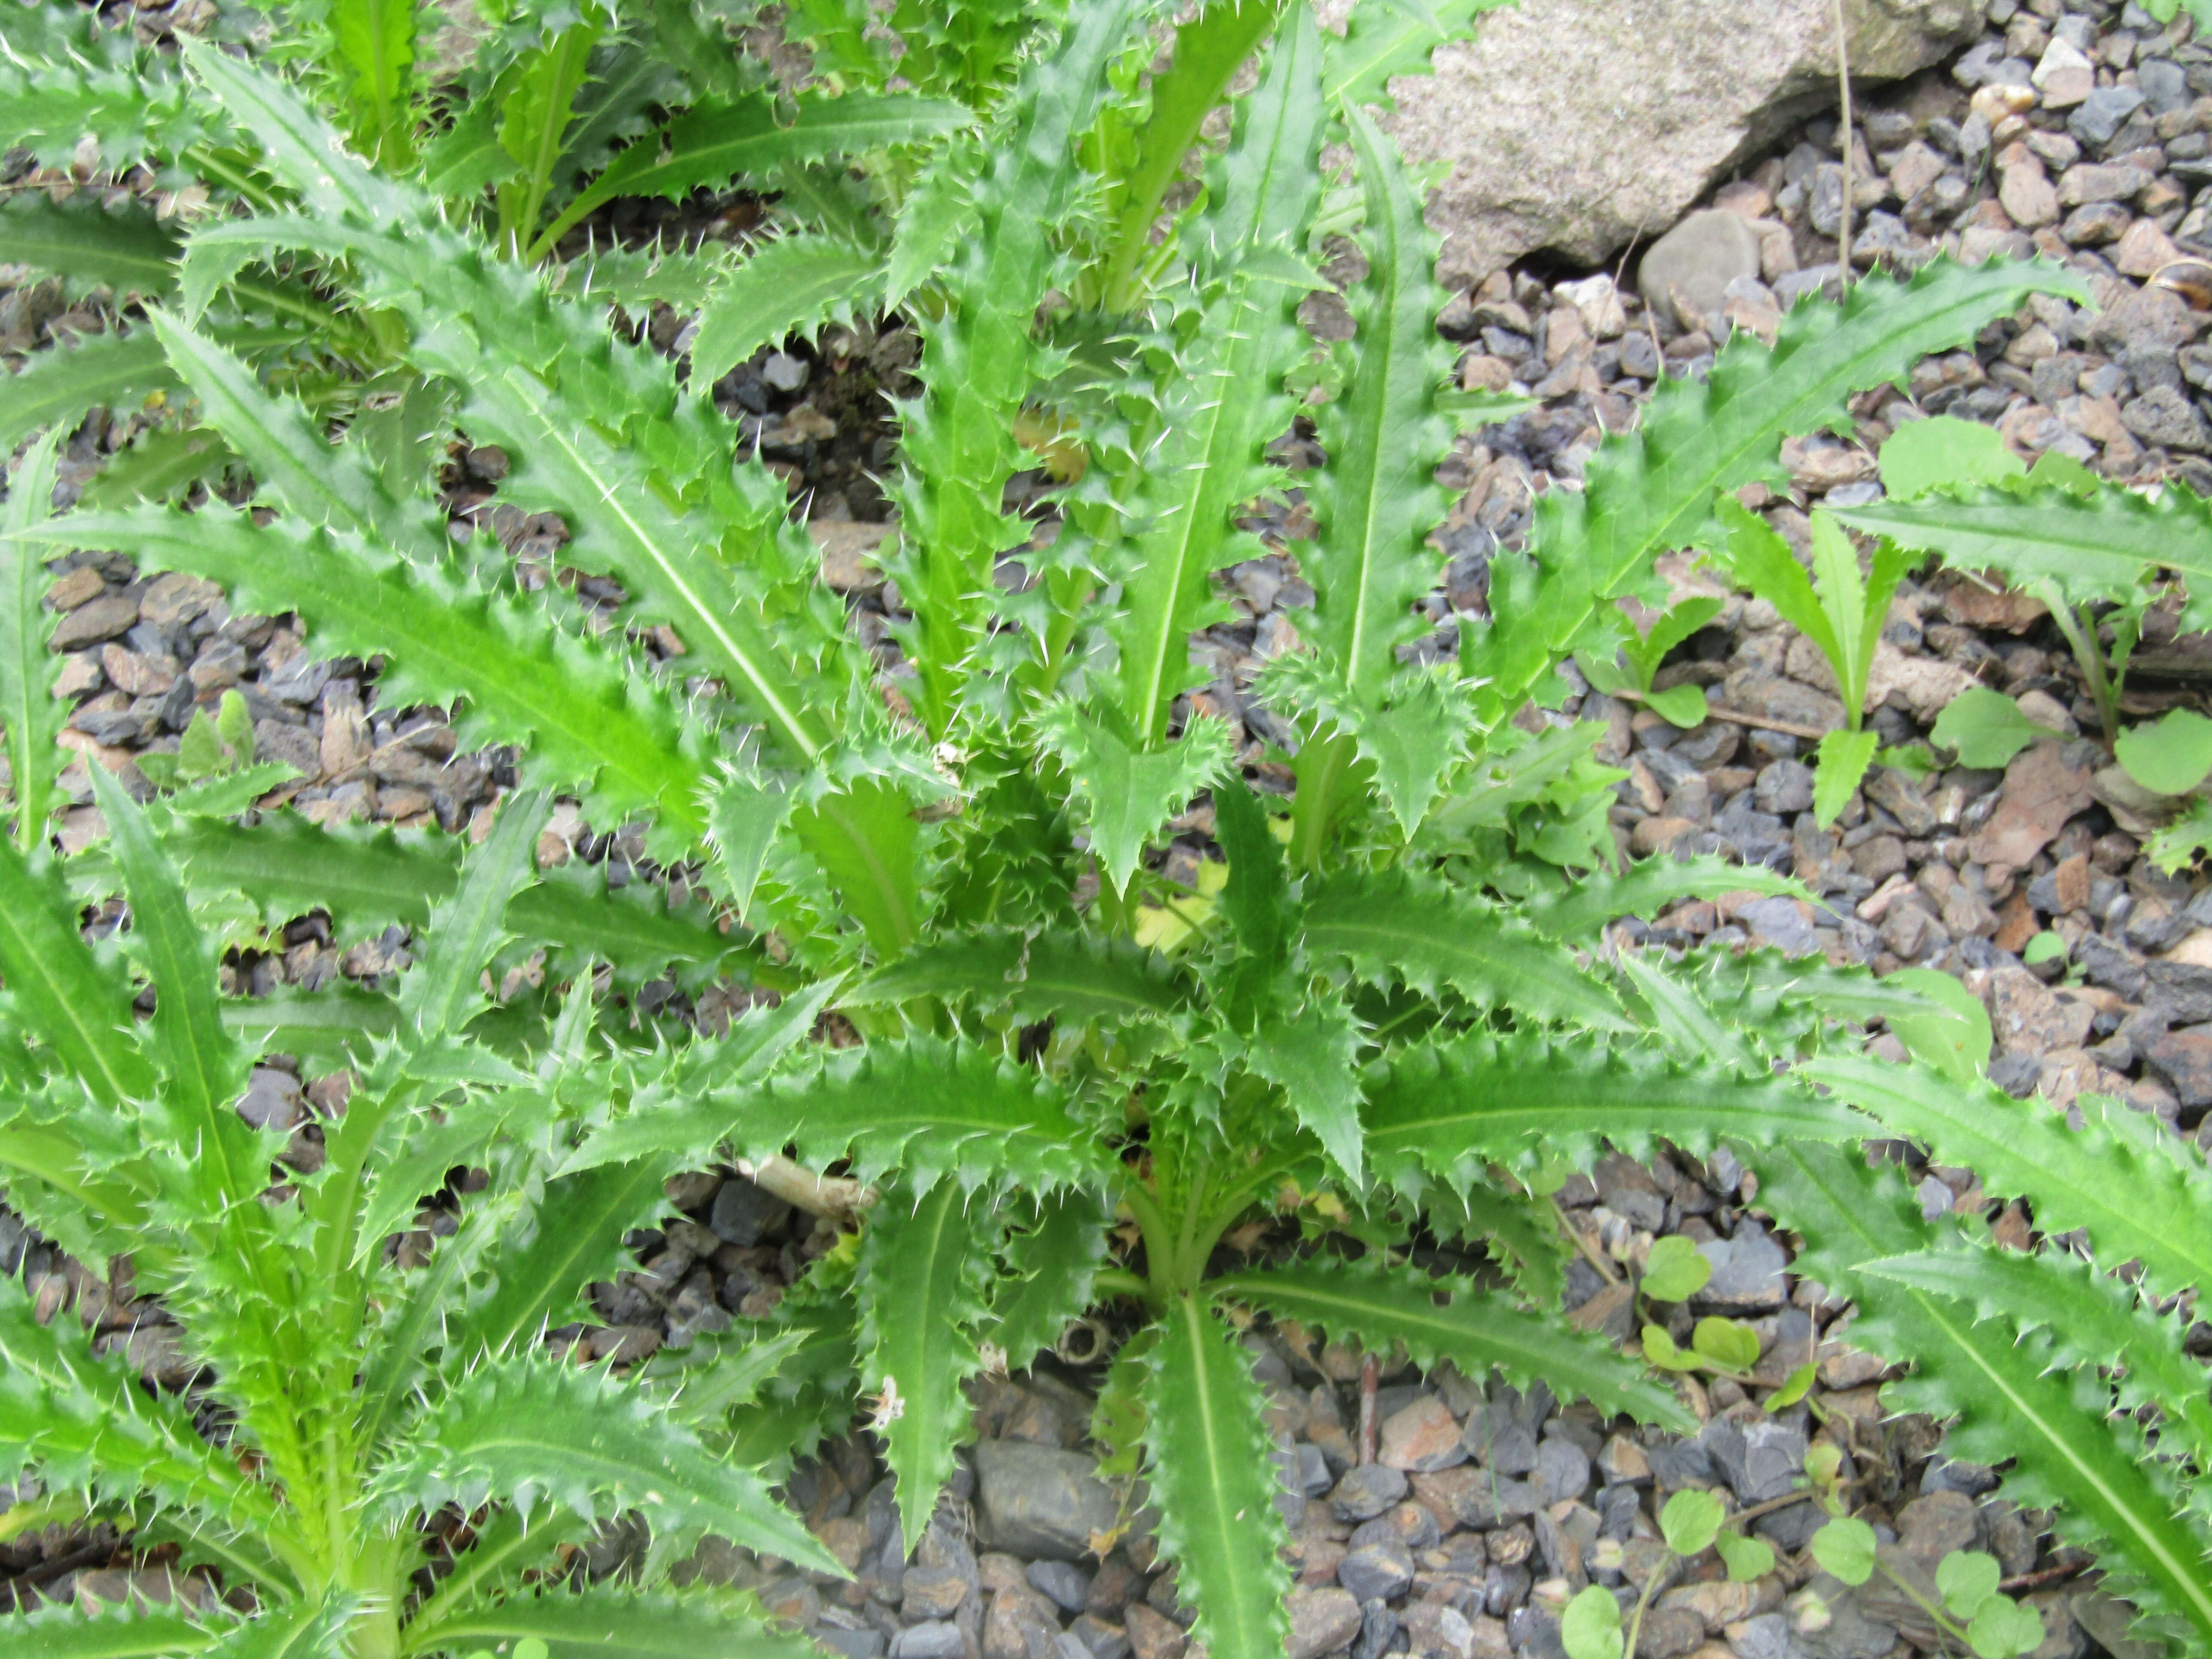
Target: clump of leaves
<point>357,1399</point>
<point>1841,609</point>
<point>1690,1523</point>
<point>1631,674</point>
<point>1085,1072</point>
<point>2098,554</point>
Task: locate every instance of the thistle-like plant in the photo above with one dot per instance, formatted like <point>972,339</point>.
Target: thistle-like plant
<point>1088,1066</point>
<point>357,1401</point>
<point>542,121</point>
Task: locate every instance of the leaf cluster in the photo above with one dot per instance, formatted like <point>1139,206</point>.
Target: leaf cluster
<point>1145,1011</point>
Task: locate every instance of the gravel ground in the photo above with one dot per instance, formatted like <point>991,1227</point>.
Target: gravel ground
<point>2078,132</point>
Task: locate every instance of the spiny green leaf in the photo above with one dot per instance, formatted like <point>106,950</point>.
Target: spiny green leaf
<point>715,142</point>
<point>120,371</point>
<point>525,1430</point>
<point>1378,500</point>
<point>444,992</point>
<point>615,1622</point>
<point>129,252</point>
<point>793,285</point>
<point>85,1424</point>
<point>1131,789</point>
<point>982,361</point>
<point>2068,1449</point>
<point>287,449</point>
<point>1654,489</point>
<point>78,1003</point>
<point>64,81</point>
<point>1068,976</point>
<point>1520,1230</point>
<point>1385,38</point>
<point>1646,888</point>
<point>1050,1270</point>
<point>573,1236</point>
<point>1207,1459</point>
<point>2099,547</point>
<point>63,1632</point>
<point>375,40</point>
<point>203,1068</point>
<point>1456,1319</point>
<point>1208,49</point>
<point>866,841</point>
<point>1223,403</point>
<point>367,880</point>
<point>638,279</point>
<point>1398,928</point>
<point>30,716</point>
<point>162,464</point>
<point>920,1283</point>
<point>2093,1319</point>
<point>924,1106</point>
<point>2136,1188</point>
<point>1312,1055</point>
<point>590,723</point>
<point>1448,1111</point>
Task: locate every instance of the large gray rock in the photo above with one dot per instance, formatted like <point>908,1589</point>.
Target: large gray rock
<point>1689,269</point>
<point>1039,1501</point>
<point>1577,124</point>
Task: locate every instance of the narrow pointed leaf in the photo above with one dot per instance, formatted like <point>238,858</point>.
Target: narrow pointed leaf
<point>2066,1450</point>
<point>921,1278</point>
<point>82,239</point>
<point>1050,1271</point>
<point>528,1431</point>
<point>1654,488</point>
<point>2136,1187</point>
<point>1207,1459</point>
<point>30,716</point>
<point>202,1066</point>
<point>614,1621</point>
<point>2092,548</point>
<point>1456,1319</point>
<point>1449,1111</point>
<point>794,285</point>
<point>1395,928</point>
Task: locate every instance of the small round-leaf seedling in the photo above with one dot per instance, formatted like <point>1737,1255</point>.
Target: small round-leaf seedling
<point>1691,1520</point>
<point>1676,1270</point>
<point>1590,1627</point>
<point>1728,1343</point>
<point>1746,1558</point>
<point>1845,1547</point>
<point>1793,1389</point>
<point>2003,1629</point>
<point>1968,1579</point>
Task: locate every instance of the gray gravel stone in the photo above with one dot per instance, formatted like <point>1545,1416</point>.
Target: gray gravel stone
<point>1562,1470</point>
<point>744,1213</point>
<point>1747,1270</point>
<point>1040,1501</point>
<point>1383,1569</point>
<point>2103,113</point>
<point>938,1640</point>
<point>1697,260</point>
<point>1367,1491</point>
<point>1065,1582</point>
<point>2164,415</point>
